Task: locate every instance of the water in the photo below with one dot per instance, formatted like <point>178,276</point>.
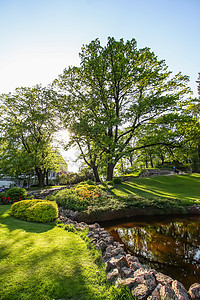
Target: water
<point>169,245</point>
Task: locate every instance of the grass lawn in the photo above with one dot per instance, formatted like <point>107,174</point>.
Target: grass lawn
<point>43,261</point>
<point>184,187</point>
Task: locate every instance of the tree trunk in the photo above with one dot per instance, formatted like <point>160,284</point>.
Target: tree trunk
<point>162,158</point>
<point>110,170</point>
<point>41,177</point>
<point>122,166</point>
<point>146,162</point>
<point>131,160</point>
<point>47,177</point>
<point>96,173</point>
<point>151,161</point>
<point>198,154</point>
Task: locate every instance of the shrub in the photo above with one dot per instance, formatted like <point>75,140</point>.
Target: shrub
<point>17,193</point>
<point>35,210</point>
<point>13,195</point>
<point>117,180</point>
<point>70,199</point>
<point>90,182</point>
<point>2,197</point>
<point>78,198</point>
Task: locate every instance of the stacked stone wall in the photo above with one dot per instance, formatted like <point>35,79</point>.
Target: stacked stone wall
<point>125,269</point>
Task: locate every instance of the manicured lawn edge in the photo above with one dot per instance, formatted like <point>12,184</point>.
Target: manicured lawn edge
<point>101,216</point>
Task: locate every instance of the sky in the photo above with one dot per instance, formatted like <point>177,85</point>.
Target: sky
<point>39,38</point>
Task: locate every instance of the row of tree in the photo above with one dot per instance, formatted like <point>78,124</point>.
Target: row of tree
<point>119,101</point>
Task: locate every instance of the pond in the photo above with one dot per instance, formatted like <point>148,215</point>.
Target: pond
<point>170,245</point>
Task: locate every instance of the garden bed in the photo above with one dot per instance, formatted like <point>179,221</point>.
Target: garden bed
<point>109,215</point>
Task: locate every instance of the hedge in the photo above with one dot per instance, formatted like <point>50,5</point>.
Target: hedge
<point>35,210</point>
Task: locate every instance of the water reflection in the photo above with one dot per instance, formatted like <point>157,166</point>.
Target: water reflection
<point>171,246</point>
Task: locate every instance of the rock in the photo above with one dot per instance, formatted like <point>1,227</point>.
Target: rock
<point>141,291</point>
<point>150,281</point>
<point>166,293</point>
<point>126,272</point>
<point>109,240</point>
<point>129,282</point>
<point>106,257</point>
<point>131,258</point>
<point>121,262</point>
<point>163,279</point>
<point>113,275</point>
<point>109,266</point>
<point>116,251</point>
<point>155,295</point>
<point>139,275</point>
<point>180,290</point>
<point>194,291</point>
<point>135,266</point>
<point>147,277</point>
<point>101,245</point>
<point>90,234</point>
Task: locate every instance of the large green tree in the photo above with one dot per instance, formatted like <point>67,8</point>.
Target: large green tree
<point>116,90</point>
<point>28,122</point>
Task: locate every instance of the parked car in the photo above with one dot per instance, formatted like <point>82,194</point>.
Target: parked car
<point>7,184</point>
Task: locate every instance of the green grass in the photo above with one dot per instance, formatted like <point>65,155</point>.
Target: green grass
<point>43,261</point>
<point>182,187</point>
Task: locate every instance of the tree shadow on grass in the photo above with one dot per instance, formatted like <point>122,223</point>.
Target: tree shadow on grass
<point>183,187</point>
<point>13,224</point>
<point>48,266</point>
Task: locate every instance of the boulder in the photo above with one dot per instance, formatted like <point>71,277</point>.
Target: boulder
<point>194,291</point>
<point>156,293</point>
<point>163,279</point>
<point>141,291</point>
<point>101,245</point>
<point>113,275</point>
<point>180,290</point>
<point>121,262</point>
<point>126,272</point>
<point>167,293</point>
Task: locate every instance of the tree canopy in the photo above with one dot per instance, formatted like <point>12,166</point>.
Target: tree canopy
<point>28,122</point>
<point>117,94</point>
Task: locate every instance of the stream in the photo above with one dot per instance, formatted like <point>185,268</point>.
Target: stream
<point>170,245</point>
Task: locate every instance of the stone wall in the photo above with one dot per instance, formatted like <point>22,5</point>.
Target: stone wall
<point>155,172</point>
<point>125,269</point>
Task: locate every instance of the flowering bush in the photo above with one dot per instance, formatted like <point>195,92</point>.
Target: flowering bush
<point>13,195</point>
<point>9,200</point>
<point>78,198</point>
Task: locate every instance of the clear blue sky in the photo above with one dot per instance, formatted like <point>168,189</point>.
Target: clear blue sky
<point>39,38</point>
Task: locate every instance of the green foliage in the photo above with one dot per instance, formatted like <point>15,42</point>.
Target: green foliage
<point>69,199</point>
<point>17,192</point>
<point>63,179</point>
<point>42,212</point>
<point>163,192</point>
<point>116,95</point>
<point>2,197</point>
<point>13,195</point>
<point>90,182</point>
<point>29,121</point>
<point>139,201</point>
<point>78,198</point>
<point>117,180</point>
<point>35,210</point>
